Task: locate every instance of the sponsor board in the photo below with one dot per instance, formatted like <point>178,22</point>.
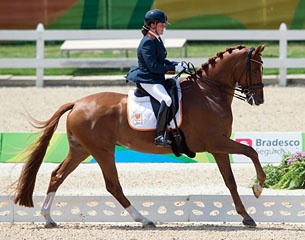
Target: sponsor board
<point>270,146</point>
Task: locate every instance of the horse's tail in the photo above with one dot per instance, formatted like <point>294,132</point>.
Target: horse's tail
<point>37,151</point>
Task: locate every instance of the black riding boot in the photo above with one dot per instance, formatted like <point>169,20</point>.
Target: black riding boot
<point>161,140</point>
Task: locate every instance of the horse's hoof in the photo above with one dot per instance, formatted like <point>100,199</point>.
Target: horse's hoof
<point>249,223</point>
<point>257,190</point>
<point>149,225</point>
<point>51,225</point>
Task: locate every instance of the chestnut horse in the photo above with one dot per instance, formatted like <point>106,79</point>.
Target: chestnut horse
<point>97,123</point>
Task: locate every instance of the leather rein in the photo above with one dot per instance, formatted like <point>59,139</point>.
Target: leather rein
<point>246,92</point>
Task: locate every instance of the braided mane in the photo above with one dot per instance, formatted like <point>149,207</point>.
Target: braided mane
<point>212,61</point>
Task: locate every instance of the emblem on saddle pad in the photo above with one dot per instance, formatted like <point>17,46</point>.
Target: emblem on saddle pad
<point>141,116</point>
<point>137,118</point>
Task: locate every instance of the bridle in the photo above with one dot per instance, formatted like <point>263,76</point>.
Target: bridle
<point>246,92</point>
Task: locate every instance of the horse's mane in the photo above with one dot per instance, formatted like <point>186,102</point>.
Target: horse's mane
<point>212,61</point>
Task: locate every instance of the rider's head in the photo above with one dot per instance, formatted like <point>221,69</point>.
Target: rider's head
<point>154,16</point>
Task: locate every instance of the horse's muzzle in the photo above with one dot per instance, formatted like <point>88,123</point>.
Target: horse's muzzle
<point>259,101</point>
<point>254,100</point>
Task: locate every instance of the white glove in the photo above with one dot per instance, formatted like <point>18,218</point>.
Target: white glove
<point>183,64</point>
<point>179,68</point>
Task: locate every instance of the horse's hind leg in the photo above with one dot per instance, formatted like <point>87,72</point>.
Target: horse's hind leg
<point>105,159</point>
<point>223,163</point>
<point>75,156</point>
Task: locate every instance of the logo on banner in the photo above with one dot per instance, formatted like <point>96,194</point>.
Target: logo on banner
<point>245,141</point>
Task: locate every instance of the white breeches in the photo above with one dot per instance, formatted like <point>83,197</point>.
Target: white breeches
<point>158,92</point>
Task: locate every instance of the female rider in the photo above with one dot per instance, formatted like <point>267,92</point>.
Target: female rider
<point>152,66</point>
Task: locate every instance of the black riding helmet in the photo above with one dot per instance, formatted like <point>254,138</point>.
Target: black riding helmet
<point>155,15</point>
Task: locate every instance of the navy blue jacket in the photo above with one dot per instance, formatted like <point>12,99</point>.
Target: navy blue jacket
<point>152,62</point>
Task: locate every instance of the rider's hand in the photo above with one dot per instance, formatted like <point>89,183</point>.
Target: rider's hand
<point>179,68</point>
<point>183,64</point>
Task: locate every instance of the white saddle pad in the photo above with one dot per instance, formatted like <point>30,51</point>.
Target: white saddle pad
<point>141,116</point>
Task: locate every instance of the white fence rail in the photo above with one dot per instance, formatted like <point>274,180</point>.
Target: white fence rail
<point>40,36</point>
<point>193,208</point>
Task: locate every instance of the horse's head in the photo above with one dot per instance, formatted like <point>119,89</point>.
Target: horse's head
<point>249,76</point>
<point>235,69</point>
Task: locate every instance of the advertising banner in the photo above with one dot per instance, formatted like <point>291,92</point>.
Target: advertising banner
<point>270,146</point>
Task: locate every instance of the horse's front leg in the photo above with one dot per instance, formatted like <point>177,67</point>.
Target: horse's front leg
<point>223,163</point>
<point>261,176</point>
<point>226,145</point>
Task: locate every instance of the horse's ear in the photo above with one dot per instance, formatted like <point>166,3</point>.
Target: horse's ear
<point>259,49</point>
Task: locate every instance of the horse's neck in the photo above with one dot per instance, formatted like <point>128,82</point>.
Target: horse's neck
<point>205,99</point>
<point>226,67</point>
<point>206,91</point>
<point>217,86</point>
<point>221,72</point>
